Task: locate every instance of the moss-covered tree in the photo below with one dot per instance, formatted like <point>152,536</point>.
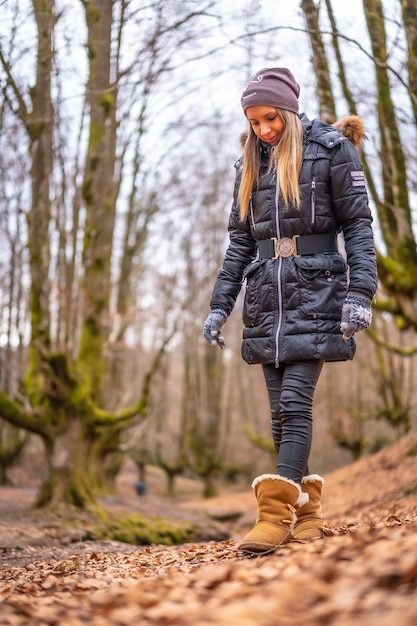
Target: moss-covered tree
<point>397,258</point>
<point>64,395</point>
<point>390,188</point>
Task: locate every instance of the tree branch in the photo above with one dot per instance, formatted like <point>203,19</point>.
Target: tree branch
<point>15,414</point>
<point>23,111</point>
<point>390,347</point>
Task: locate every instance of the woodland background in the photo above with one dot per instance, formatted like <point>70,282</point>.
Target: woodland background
<point>119,127</point>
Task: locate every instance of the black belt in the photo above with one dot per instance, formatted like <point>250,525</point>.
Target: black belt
<point>299,245</point>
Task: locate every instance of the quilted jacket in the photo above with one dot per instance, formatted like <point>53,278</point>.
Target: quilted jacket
<point>292,306</point>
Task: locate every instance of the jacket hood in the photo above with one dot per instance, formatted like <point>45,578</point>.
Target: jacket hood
<point>351,126</point>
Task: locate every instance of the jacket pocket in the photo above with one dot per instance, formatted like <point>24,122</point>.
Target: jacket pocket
<point>253,295</point>
<point>322,282</point>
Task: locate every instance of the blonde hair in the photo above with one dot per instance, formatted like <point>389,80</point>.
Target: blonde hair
<point>286,159</point>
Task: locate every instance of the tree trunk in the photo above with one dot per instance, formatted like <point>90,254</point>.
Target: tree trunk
<point>67,473</point>
<point>397,268</point>
<point>320,63</point>
<point>98,195</point>
<point>12,444</point>
<point>39,125</point>
<point>409,9</point>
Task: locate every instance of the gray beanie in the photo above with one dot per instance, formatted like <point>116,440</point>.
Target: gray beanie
<point>272,86</point>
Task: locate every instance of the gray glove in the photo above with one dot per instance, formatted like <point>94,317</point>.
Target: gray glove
<point>356,314</point>
<point>213,325</point>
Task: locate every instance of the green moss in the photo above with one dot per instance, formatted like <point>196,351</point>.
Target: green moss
<point>44,495</point>
<point>380,442</point>
<point>96,138</point>
<point>94,163</point>
<point>77,497</point>
<point>412,451</point>
<point>141,531</point>
<point>90,359</point>
<point>107,102</point>
<point>93,13</point>
<point>410,490</point>
<point>95,523</point>
<point>87,190</point>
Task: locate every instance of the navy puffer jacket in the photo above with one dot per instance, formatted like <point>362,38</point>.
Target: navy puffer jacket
<point>292,308</point>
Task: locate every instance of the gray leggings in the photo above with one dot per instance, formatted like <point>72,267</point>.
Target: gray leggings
<point>291,389</point>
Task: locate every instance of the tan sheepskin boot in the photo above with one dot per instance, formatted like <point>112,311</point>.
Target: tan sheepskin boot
<point>278,498</point>
<point>309,524</point>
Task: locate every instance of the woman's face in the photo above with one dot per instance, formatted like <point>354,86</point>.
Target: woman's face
<point>266,123</point>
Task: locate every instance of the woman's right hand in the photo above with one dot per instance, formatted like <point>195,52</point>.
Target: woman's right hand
<point>212,327</point>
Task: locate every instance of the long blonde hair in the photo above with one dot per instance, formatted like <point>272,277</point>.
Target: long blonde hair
<point>286,159</point>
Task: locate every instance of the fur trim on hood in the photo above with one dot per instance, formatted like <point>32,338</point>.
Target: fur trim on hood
<point>351,126</point>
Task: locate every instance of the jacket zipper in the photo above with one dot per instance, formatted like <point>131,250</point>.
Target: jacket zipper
<point>279,285</point>
<point>252,215</point>
<point>313,201</point>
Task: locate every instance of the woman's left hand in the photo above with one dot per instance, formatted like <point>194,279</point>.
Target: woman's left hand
<point>356,314</point>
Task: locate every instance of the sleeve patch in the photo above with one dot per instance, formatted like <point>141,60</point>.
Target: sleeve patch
<point>358,178</point>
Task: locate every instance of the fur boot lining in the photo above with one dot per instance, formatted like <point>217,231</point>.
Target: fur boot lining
<point>312,478</point>
<point>262,477</point>
<point>302,497</point>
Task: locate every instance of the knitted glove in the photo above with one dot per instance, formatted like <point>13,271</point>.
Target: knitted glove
<point>213,325</point>
<point>356,314</point>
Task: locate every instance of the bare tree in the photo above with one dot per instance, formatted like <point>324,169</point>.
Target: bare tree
<point>398,261</point>
<point>391,188</point>
<point>64,388</point>
<point>320,62</point>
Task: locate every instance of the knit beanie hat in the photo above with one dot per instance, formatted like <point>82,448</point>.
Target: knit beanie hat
<point>272,86</point>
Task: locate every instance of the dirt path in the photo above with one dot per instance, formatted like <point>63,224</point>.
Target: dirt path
<point>365,573</point>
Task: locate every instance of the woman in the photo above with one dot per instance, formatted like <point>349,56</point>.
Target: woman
<point>298,184</point>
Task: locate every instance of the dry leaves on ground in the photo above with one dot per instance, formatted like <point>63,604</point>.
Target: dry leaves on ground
<point>363,573</point>
<point>368,577</point>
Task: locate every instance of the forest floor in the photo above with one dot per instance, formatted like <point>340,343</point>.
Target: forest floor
<point>363,573</point>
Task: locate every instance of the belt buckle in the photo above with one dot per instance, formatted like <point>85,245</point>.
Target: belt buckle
<point>285,247</point>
